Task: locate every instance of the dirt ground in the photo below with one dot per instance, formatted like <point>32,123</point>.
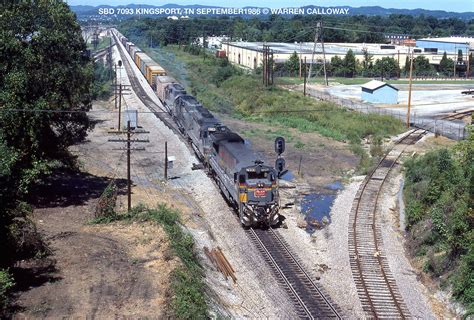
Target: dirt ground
<point>323,160</point>
<point>94,271</point>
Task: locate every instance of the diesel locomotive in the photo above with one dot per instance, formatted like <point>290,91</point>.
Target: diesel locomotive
<point>244,180</point>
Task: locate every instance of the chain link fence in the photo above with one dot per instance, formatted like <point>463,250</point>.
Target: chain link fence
<point>450,129</point>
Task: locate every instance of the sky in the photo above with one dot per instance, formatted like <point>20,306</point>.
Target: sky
<point>447,5</point>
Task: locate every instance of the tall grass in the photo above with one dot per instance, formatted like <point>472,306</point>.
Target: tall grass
<point>244,96</point>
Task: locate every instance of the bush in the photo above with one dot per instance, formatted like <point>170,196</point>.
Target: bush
<point>463,287</point>
<point>6,282</point>
<point>440,217</point>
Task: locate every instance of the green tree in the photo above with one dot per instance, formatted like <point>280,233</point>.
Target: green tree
<point>422,67</point>
<point>350,64</point>
<point>44,71</point>
<point>337,66</point>
<point>43,68</point>
<point>446,65</point>
<point>293,64</point>
<point>367,64</point>
<point>386,67</point>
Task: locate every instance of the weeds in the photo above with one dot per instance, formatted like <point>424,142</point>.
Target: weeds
<point>6,282</point>
<point>188,300</point>
<point>106,204</point>
<point>439,196</point>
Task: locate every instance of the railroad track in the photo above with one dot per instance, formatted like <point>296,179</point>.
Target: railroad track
<point>457,115</point>
<point>309,300</point>
<point>159,111</point>
<point>376,286</point>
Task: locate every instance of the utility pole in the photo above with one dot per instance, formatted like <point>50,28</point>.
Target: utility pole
<point>264,63</point>
<point>324,53</point>
<point>454,64</point>
<point>119,107</point>
<point>301,60</point>
<point>115,85</point>
<point>129,148</point>
<point>314,50</point>
<point>409,91</point>
<point>166,160</point>
<point>318,35</point>
<point>305,69</point>
<point>129,181</point>
<point>267,65</point>
<point>270,68</point>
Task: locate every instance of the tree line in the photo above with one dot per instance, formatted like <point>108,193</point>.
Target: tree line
<point>386,67</point>
<point>368,29</point>
<point>45,90</point>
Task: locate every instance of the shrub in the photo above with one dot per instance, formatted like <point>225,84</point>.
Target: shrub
<point>439,214</point>
<point>6,282</point>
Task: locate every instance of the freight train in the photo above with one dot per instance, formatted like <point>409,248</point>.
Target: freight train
<point>244,180</point>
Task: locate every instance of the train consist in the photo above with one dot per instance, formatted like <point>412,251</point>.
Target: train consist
<point>149,68</point>
<point>249,185</point>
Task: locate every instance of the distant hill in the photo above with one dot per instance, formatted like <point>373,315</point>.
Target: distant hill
<point>85,12</point>
<point>379,11</point>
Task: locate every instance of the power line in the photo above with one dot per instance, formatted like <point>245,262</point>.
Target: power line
<point>163,112</point>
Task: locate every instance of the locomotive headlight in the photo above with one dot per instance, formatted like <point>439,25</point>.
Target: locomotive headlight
<point>260,185</point>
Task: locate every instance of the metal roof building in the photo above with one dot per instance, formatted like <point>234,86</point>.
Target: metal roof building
<point>379,92</point>
<point>249,54</point>
<point>448,44</point>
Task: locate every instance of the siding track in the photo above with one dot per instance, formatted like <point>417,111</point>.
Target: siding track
<point>376,286</point>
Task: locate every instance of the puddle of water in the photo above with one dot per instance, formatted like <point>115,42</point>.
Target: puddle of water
<point>316,207</point>
<point>336,185</point>
<point>288,176</point>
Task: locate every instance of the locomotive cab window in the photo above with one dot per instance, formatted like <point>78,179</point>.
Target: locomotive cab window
<point>255,175</point>
<point>242,178</point>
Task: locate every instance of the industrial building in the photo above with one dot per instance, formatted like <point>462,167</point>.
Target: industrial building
<point>249,54</point>
<point>379,92</point>
<point>448,44</point>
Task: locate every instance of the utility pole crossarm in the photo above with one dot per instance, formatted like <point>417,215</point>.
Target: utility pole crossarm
<point>129,148</point>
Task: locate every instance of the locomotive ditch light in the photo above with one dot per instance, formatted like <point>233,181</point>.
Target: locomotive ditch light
<point>279,145</point>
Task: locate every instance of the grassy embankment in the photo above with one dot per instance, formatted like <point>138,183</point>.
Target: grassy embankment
<point>188,301</point>
<point>227,89</point>
<point>353,81</point>
<point>439,196</point>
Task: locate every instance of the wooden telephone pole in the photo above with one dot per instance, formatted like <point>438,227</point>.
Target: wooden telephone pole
<point>305,71</point>
<point>267,65</point>
<point>129,148</point>
<point>409,91</point>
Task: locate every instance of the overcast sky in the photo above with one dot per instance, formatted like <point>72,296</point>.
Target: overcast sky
<point>447,5</point>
